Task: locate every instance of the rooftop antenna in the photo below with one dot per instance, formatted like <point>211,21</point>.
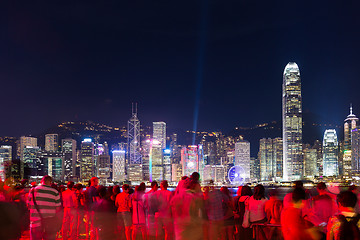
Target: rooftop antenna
<point>351,112</point>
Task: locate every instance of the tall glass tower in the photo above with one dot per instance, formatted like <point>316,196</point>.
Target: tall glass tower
<point>330,153</point>
<point>134,138</point>
<point>292,123</point>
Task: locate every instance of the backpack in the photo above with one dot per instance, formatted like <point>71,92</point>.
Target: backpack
<point>349,229</point>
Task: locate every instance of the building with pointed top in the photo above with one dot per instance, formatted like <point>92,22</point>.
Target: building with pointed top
<point>292,123</point>
<point>350,161</point>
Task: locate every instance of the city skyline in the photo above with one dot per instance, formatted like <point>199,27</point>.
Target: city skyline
<point>78,62</point>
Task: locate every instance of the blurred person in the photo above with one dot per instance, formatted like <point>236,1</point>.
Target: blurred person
<point>214,212</point>
<point>273,207</point>
<point>92,198</point>
<point>116,191</point>
<point>70,205</point>
<point>152,206</point>
<point>288,197</point>
<point>180,187</point>
<point>138,213</point>
<point>346,224</point>
<point>80,209</point>
<point>165,227</point>
<point>323,206</point>
<point>228,208</point>
<point>104,216</point>
<point>42,208</point>
<point>186,208</point>
<point>123,205</point>
<point>195,176</point>
<point>293,225</point>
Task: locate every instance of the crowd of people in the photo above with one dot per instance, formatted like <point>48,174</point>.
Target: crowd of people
<point>96,212</point>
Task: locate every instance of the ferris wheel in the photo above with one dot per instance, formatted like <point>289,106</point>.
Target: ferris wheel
<point>236,175</point>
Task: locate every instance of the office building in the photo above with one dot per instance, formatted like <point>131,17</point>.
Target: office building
<point>104,168</point>
<point>310,160</point>
<point>31,161</point>
<point>5,161</point>
<point>292,123</point>
<point>351,124</point>
<point>167,164</point>
<point>23,143</point>
<point>159,133</point>
<point>192,160</point>
<point>242,157</point>
<point>176,172</point>
<point>330,153</point>
<point>156,161</point>
<point>215,174</point>
<point>119,166</point>
<point>52,164</point>
<point>68,147</point>
<point>134,138</point>
<point>87,168</point>
<point>51,142</point>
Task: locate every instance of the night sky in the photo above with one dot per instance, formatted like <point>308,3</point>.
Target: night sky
<point>88,60</point>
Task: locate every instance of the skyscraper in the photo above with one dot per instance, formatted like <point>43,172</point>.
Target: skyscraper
<point>51,142</point>
<point>330,153</point>
<point>192,160</point>
<point>292,123</point>
<point>68,147</point>
<point>271,158</point>
<point>350,163</point>
<point>23,143</point>
<point>242,157</point>
<point>5,161</point>
<point>119,165</point>
<point>87,160</point>
<point>159,133</point>
<point>134,138</point>
<point>134,168</point>
<point>266,157</point>
<point>310,160</point>
<point>156,161</point>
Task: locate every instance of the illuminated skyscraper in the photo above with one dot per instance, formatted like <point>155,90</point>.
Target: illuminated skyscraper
<point>52,164</point>
<point>23,143</point>
<point>215,173</point>
<point>167,164</point>
<point>119,165</point>
<point>242,157</point>
<point>192,160</point>
<point>350,160</point>
<point>134,138</point>
<point>266,157</point>
<point>310,159</point>
<point>104,168</point>
<point>68,147</point>
<point>5,161</point>
<point>134,168</point>
<point>159,133</point>
<point>292,123</point>
<point>330,153</point>
<point>51,142</point>
<point>87,160</point>
<point>31,160</point>
<point>156,161</point>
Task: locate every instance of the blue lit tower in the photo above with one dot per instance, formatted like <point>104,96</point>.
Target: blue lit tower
<point>330,153</point>
<point>292,123</point>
